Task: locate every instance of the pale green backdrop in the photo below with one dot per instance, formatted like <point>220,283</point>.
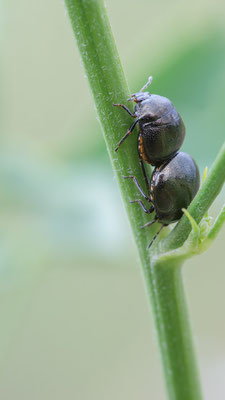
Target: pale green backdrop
<point>74,318</point>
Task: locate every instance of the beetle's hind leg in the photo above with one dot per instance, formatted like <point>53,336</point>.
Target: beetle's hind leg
<point>150,223</point>
<point>157,233</point>
<point>154,237</point>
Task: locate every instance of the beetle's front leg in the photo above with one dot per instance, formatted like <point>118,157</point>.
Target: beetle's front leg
<point>138,186</point>
<point>147,211</point>
<point>127,134</point>
<point>126,109</point>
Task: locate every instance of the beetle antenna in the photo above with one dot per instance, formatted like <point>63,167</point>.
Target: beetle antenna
<point>147,84</point>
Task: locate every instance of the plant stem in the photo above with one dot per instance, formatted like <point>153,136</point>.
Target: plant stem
<point>108,85</point>
<point>173,330</point>
<point>163,282</point>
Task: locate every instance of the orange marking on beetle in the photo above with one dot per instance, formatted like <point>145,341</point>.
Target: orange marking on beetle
<point>141,147</point>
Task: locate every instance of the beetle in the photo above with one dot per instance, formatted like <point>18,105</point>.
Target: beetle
<point>173,185</point>
<point>161,128</point>
<point>175,179</point>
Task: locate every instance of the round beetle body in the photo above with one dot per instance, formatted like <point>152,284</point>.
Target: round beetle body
<point>161,128</point>
<point>173,186</point>
<point>175,180</point>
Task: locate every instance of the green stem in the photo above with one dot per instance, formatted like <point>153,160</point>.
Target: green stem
<point>173,330</point>
<point>108,85</point>
<point>163,283</point>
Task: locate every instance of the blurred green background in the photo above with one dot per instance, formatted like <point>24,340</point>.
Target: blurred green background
<point>74,318</point>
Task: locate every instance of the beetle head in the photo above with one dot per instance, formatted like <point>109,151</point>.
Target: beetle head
<point>138,97</point>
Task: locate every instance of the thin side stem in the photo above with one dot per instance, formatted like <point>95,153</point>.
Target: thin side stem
<point>199,206</point>
<point>217,224</point>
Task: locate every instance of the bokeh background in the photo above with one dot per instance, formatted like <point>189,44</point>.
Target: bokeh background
<point>74,318</point>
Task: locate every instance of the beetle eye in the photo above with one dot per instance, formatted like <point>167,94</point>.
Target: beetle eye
<point>132,98</point>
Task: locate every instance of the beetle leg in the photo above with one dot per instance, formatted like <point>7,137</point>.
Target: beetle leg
<point>142,164</point>
<point>138,186</point>
<point>154,237</point>
<point>127,134</point>
<point>149,223</point>
<point>145,176</point>
<point>126,109</point>
<point>149,211</point>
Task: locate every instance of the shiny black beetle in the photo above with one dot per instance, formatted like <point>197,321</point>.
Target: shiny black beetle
<point>175,179</point>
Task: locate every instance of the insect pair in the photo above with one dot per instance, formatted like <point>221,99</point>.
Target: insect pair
<point>175,179</point>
